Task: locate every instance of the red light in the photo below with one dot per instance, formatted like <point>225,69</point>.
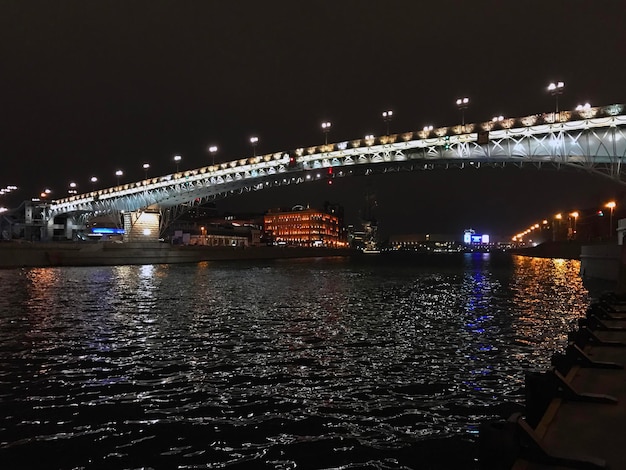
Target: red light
<point>330,170</point>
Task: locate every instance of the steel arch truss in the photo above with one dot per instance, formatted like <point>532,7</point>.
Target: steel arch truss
<point>596,145</point>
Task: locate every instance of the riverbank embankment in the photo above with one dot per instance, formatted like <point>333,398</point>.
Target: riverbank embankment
<point>574,412</point>
<point>26,254</point>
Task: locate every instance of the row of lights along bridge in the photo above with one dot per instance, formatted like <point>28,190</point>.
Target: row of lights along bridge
<point>572,220</point>
<point>462,104</point>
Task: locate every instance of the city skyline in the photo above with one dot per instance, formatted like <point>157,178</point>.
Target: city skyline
<point>93,89</point>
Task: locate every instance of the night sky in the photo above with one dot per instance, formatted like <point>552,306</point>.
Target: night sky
<point>89,87</point>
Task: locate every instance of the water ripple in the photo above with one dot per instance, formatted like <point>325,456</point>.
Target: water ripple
<point>286,364</point>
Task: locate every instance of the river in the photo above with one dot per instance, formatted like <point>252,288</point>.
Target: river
<point>373,363</point>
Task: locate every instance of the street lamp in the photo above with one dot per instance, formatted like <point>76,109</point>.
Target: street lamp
<point>462,104</point>
<point>558,218</point>
<point>574,215</point>
<point>428,128</point>
<point>387,116</point>
<point>146,167</point>
<point>212,151</point>
<point>118,173</point>
<point>611,205</point>
<point>555,90</point>
<point>177,159</point>
<point>325,129</point>
<point>72,189</point>
<point>253,141</point>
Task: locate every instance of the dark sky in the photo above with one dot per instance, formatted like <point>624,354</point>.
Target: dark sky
<point>88,87</point>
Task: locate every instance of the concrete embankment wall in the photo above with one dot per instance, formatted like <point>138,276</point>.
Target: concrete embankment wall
<point>16,254</point>
<point>600,261</point>
<point>564,250</point>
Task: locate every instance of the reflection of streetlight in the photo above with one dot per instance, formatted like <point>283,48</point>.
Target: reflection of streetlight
<point>611,205</point>
<point>212,150</point>
<point>387,115</point>
<point>325,129</point>
<point>462,104</point>
<point>177,159</point>
<point>253,142</point>
<point>146,167</point>
<point>555,90</point>
<point>118,173</point>
<point>575,216</point>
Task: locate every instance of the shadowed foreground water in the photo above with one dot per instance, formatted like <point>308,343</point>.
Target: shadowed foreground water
<point>326,363</point>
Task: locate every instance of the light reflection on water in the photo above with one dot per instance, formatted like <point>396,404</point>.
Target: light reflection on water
<point>311,363</point>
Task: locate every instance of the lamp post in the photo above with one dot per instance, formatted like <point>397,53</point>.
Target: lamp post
<point>212,151</point>
<point>177,159</point>
<point>611,205</point>
<point>557,218</point>
<point>387,116</point>
<point>325,129</point>
<point>253,141</point>
<point>146,167</point>
<point>72,189</point>
<point>555,90</point>
<point>94,180</point>
<point>462,104</point>
<point>118,173</point>
<point>574,215</point>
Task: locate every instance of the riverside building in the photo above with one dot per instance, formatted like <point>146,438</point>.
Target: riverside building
<point>303,227</point>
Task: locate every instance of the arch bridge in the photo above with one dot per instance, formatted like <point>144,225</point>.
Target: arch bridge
<point>592,139</point>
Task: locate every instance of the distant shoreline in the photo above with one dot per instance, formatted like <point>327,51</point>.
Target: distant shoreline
<point>27,254</point>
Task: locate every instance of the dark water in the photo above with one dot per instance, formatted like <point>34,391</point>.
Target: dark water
<point>326,363</point>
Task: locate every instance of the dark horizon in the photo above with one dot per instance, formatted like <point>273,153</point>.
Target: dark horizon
<point>90,88</point>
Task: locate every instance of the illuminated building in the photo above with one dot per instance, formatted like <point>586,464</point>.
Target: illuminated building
<point>471,238</point>
<point>303,227</point>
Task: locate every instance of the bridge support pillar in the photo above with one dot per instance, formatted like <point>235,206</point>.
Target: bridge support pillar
<point>141,226</point>
<point>71,227</point>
